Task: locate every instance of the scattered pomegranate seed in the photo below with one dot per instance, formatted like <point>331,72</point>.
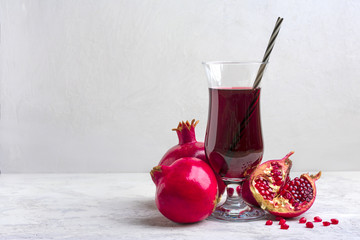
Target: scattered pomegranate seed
<point>317,219</point>
<point>282,221</point>
<point>309,225</point>
<point>284,226</point>
<point>278,218</point>
<point>302,220</point>
<point>269,222</point>
<point>326,223</point>
<point>334,221</point>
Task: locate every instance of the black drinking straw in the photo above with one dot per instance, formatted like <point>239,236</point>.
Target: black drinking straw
<point>268,52</point>
<point>245,121</point>
<point>258,78</point>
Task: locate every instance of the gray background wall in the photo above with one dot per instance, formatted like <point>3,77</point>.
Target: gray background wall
<point>97,86</point>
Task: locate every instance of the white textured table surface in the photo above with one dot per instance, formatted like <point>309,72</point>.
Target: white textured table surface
<point>121,206</point>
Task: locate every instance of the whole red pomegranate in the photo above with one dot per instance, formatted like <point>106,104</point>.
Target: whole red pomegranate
<point>188,147</point>
<point>186,191</point>
<point>271,187</point>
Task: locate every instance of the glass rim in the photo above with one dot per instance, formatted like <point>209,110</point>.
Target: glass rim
<point>233,62</point>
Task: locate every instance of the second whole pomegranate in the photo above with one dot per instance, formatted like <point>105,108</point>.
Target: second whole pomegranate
<point>186,191</point>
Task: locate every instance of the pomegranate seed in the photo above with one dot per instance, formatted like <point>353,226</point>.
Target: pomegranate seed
<point>275,165</point>
<point>309,225</point>
<point>282,221</point>
<point>317,219</point>
<point>278,182</point>
<point>277,178</point>
<point>334,221</point>
<point>276,173</point>
<point>284,226</point>
<point>269,222</point>
<point>287,195</point>
<point>302,220</point>
<point>326,223</point>
<point>278,218</point>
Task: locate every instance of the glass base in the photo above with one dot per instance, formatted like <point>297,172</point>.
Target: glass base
<point>238,212</point>
<point>235,209</point>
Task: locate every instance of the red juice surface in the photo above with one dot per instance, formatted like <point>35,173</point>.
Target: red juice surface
<point>233,141</point>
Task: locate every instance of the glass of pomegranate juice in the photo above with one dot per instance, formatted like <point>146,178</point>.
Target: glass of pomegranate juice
<point>233,141</point>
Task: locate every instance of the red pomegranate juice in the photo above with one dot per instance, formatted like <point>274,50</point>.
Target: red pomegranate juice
<point>233,141</point>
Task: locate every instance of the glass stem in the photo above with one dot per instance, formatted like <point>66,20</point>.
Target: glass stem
<point>235,208</point>
<point>233,191</point>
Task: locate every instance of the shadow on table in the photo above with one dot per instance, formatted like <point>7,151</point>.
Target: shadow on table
<point>147,214</point>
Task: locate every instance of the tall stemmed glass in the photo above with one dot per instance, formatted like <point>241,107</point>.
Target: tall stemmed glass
<point>233,141</point>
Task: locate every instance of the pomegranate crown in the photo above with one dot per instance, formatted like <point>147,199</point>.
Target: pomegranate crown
<point>316,176</point>
<point>187,125</point>
<point>287,159</point>
<point>156,173</point>
<point>186,131</point>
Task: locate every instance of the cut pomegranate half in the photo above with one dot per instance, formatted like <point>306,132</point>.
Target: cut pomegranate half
<point>272,188</point>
